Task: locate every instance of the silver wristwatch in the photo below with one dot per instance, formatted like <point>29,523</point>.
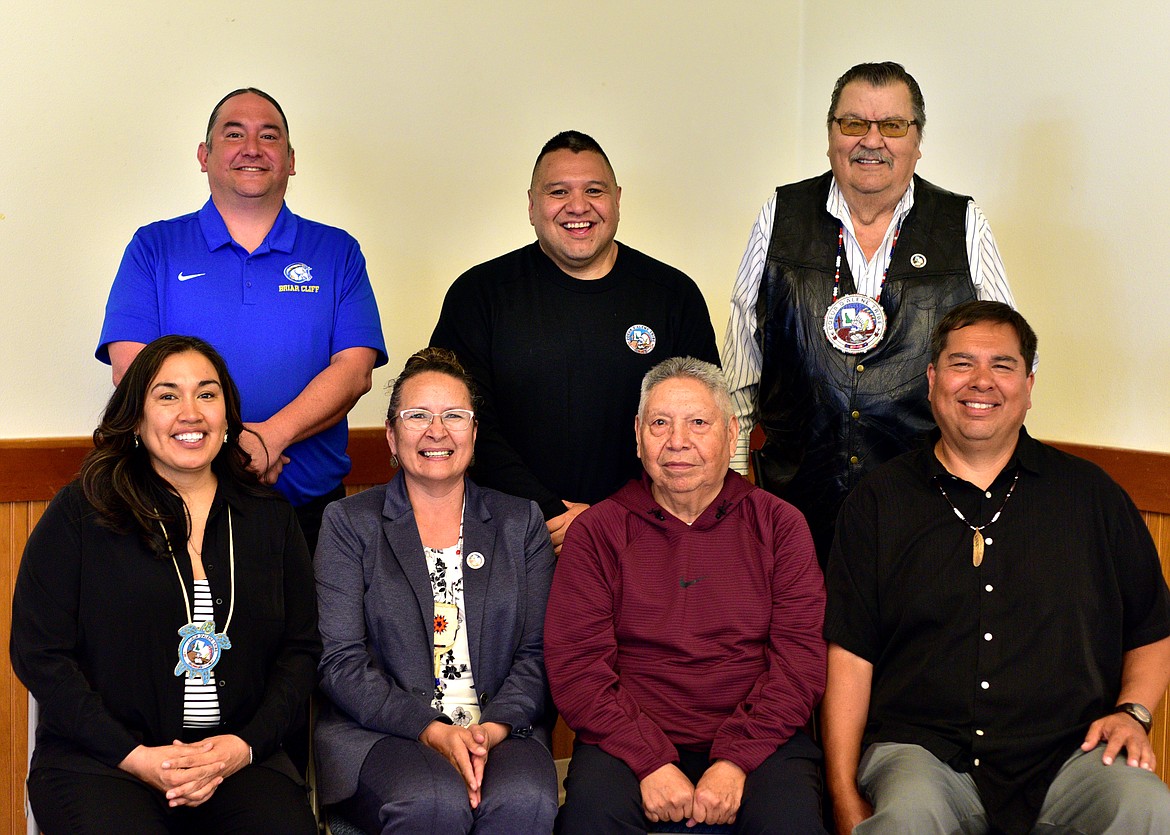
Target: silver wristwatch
<point>1139,712</point>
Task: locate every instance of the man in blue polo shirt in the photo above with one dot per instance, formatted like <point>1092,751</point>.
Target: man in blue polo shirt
<point>286,301</point>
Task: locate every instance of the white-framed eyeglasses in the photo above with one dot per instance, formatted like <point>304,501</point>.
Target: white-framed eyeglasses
<point>420,420</point>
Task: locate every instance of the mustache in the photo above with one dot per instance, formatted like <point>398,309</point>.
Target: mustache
<point>871,154</point>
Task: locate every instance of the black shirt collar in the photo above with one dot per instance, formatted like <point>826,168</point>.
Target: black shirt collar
<point>1027,455</point>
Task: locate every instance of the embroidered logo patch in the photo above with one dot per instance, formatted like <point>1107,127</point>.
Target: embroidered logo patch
<point>641,339</point>
<point>300,274</point>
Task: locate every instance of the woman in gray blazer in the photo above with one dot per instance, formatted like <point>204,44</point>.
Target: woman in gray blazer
<point>432,593</point>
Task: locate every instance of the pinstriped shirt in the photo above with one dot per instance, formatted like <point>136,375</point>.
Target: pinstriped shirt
<point>741,352</point>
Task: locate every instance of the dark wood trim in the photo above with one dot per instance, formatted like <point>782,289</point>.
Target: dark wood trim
<point>370,456</point>
<point>1144,475</point>
<point>34,469</point>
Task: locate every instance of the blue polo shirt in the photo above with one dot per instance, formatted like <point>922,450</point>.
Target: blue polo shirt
<point>277,316</point>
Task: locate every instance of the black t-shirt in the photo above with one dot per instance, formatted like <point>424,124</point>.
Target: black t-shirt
<point>558,362</point>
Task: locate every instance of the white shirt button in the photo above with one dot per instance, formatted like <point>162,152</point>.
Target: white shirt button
<point>988,587</point>
<point>976,761</point>
<point>987,636</point>
<point>988,541</point>
<point>984,685</point>
<point>978,732</point>
<point>988,494</point>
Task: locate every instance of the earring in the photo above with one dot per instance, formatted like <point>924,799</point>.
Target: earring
<point>136,441</point>
<point>394,461</point>
<point>226,436</point>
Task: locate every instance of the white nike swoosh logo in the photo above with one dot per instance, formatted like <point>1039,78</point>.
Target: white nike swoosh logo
<point>189,277</point>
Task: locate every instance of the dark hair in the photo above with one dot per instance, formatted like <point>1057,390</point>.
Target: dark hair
<point>117,476</point>
<point>254,91</point>
<point>440,360</point>
<point>881,75</point>
<point>974,312</point>
<point>575,141</point>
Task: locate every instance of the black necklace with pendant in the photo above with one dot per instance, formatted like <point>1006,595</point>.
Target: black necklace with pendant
<point>978,540</point>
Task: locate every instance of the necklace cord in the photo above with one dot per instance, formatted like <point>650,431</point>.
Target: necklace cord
<point>841,248</point>
<point>231,570</point>
<point>994,518</point>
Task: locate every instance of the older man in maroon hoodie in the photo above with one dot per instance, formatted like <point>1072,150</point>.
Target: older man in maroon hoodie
<point>683,635</point>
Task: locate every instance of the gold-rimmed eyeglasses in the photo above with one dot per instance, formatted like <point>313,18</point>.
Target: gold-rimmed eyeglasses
<point>852,126</point>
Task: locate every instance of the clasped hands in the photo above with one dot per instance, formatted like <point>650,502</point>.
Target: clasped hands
<point>667,794</point>
<point>466,749</point>
<point>188,773</point>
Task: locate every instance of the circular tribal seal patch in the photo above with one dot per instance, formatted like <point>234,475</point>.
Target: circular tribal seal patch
<point>641,339</point>
<point>855,323</point>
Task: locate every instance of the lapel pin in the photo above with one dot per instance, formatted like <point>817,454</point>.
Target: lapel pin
<point>475,560</point>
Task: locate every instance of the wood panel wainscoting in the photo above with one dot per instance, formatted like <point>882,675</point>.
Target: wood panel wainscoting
<point>31,472</point>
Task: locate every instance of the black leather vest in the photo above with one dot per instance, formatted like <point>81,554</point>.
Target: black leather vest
<point>829,417</point>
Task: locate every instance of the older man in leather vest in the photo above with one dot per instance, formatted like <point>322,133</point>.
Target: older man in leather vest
<point>844,277</point>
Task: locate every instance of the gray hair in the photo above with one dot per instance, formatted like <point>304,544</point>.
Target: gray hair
<point>689,368</point>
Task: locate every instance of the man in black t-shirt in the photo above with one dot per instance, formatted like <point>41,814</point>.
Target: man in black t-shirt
<point>558,335</point>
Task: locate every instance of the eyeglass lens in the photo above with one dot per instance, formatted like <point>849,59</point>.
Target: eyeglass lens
<point>886,127</point>
<point>422,419</point>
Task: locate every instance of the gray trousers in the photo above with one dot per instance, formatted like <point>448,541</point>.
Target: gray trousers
<point>913,791</point>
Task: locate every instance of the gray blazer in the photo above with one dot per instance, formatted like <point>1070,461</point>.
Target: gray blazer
<point>377,615</point>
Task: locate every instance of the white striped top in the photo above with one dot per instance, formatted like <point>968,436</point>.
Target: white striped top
<point>741,354</point>
<point>201,701</point>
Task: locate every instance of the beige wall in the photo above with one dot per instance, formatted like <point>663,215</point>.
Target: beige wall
<point>416,125</point>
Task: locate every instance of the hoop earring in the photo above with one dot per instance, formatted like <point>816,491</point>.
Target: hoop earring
<point>394,461</point>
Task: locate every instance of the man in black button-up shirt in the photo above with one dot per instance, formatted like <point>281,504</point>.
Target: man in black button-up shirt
<point>997,621</point>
